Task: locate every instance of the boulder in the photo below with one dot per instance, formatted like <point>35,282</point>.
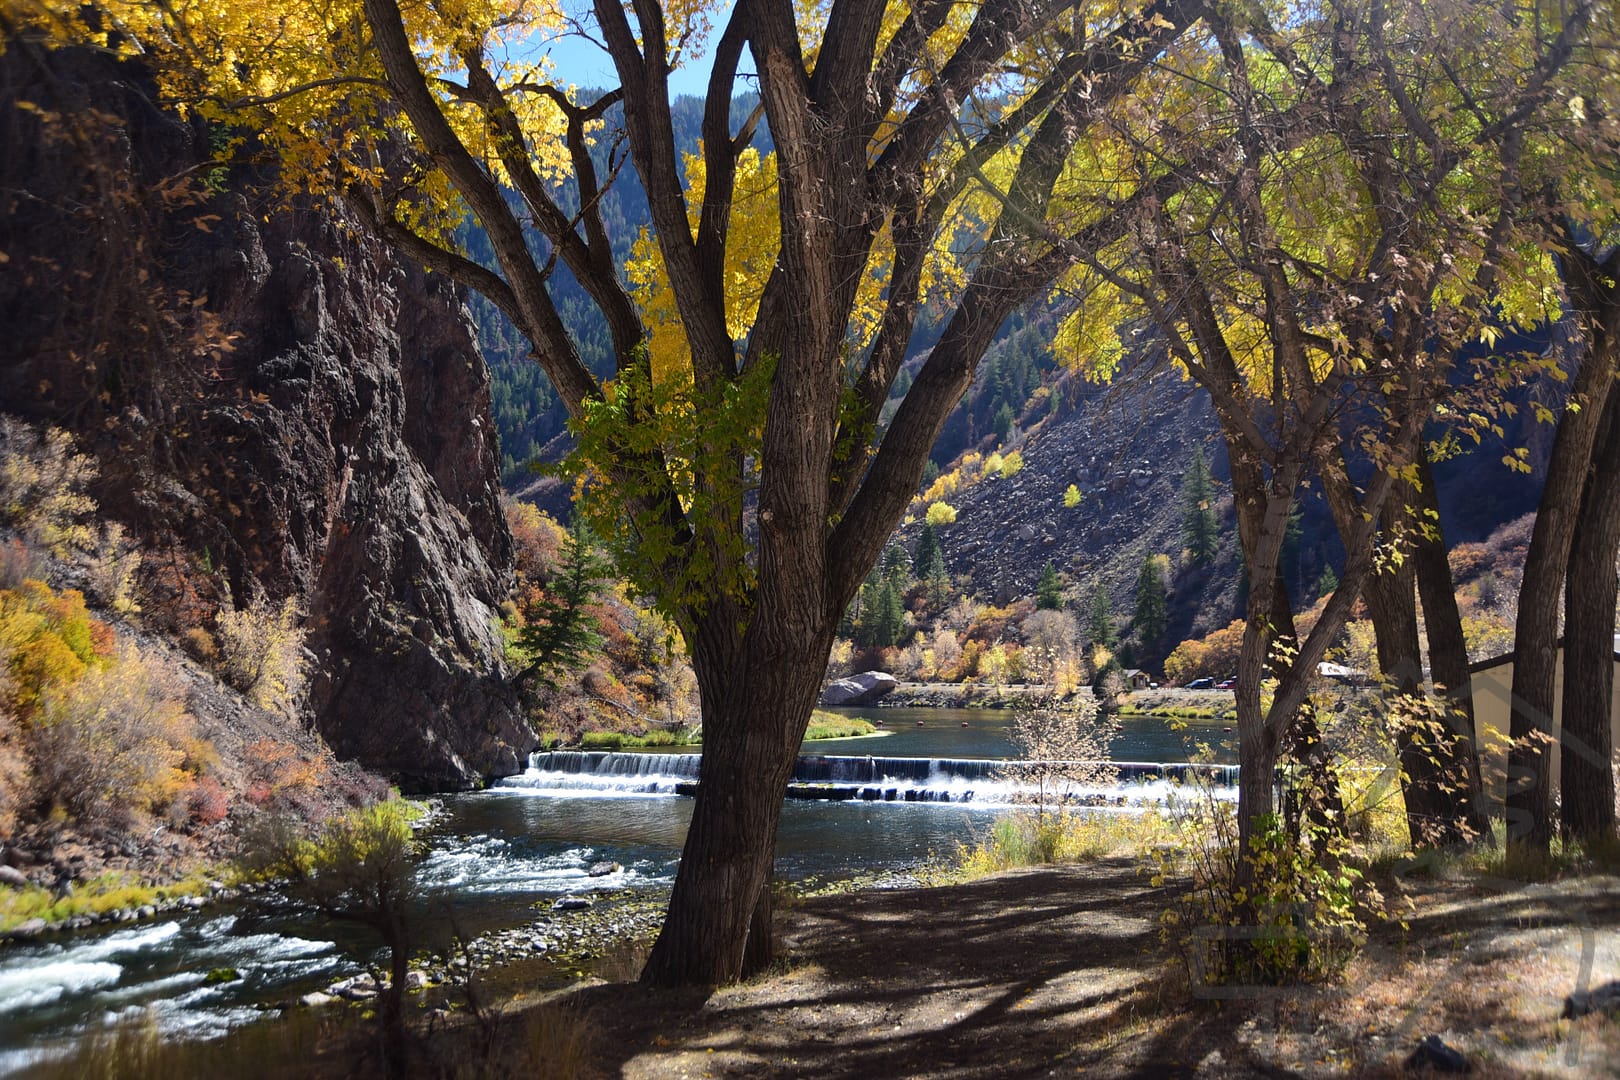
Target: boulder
<point>10,875</point>
<point>571,903</point>
<point>1605,999</point>
<point>1434,1055</point>
<point>862,689</point>
<point>30,928</point>
<point>603,869</point>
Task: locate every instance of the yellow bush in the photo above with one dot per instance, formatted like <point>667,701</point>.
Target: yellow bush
<point>262,646</point>
<point>110,746</point>
<point>42,486</point>
<point>940,513</point>
<point>47,641</point>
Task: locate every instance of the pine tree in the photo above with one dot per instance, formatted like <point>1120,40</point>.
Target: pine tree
<point>1003,422</point>
<point>927,549</point>
<point>889,615</point>
<point>1200,530</point>
<point>897,567</point>
<point>938,581</point>
<point>559,635</point>
<point>1151,614</point>
<point>1049,590</point>
<point>1100,621</point>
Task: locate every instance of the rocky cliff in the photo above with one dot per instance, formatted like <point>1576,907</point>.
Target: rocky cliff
<point>273,399</point>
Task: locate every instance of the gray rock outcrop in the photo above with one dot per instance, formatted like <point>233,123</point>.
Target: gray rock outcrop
<point>334,445</point>
<point>863,689</point>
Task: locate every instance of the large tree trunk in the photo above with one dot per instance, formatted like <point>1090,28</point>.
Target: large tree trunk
<point>1535,641</point>
<point>1587,751</point>
<point>754,715</point>
<point>1437,799</point>
<point>1596,304</point>
<point>1458,751</point>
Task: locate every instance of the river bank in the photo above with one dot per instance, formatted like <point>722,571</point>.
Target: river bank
<point>1064,971</point>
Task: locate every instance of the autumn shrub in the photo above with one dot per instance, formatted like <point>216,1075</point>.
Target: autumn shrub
<point>206,801</point>
<point>43,482</point>
<point>110,746</point>
<point>262,650</point>
<point>16,778</point>
<point>1293,908</point>
<point>1215,655</point>
<point>111,567</point>
<point>280,775</point>
<point>20,563</point>
<point>47,641</point>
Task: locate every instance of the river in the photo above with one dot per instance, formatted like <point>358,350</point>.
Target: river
<point>908,795</point>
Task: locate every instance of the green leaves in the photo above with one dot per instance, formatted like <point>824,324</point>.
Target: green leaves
<point>661,470</point>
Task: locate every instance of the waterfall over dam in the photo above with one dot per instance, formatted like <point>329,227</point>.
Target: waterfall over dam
<point>881,779</point>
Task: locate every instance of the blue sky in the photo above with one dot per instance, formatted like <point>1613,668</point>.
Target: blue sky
<point>583,64</point>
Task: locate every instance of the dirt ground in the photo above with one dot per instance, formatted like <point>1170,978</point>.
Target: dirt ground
<point>1061,971</point>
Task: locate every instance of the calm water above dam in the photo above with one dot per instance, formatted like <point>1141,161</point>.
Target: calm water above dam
<point>532,838</point>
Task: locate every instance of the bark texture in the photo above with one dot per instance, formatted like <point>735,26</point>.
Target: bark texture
<point>1586,766</point>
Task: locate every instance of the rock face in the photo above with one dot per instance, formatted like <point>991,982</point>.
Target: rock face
<point>863,689</point>
<point>274,399</point>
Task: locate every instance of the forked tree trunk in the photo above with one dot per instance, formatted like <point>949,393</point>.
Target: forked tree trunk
<point>717,928</point>
<point>1458,753</point>
<point>1535,637</point>
<point>1437,800</point>
<point>1587,750</point>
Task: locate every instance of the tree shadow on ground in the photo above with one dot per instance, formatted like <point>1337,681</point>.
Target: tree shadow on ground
<point>1052,970</point>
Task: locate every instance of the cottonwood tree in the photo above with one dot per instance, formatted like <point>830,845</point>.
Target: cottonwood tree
<point>751,487</point>
<point>1349,220</point>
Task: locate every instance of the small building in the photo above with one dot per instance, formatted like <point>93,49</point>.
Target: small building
<point>1137,679</point>
<point>1492,683</point>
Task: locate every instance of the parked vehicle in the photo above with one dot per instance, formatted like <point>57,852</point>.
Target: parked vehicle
<point>1226,684</point>
<point>1201,684</point>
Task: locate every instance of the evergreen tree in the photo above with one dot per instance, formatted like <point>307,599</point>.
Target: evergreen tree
<point>927,549</point>
<point>1151,614</point>
<point>1200,531</point>
<point>1003,422</point>
<point>892,626</point>
<point>1327,582</point>
<point>1100,620</point>
<point>938,581</point>
<point>1049,590</point>
<point>897,567</point>
<point>559,635</point>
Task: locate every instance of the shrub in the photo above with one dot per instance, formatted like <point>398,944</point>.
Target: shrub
<point>1293,909</point>
<point>42,486</point>
<point>198,642</point>
<point>1011,464</point>
<point>262,647</point>
<point>16,781</point>
<point>206,801</point>
<point>110,746</point>
<point>282,775</point>
<point>1071,497</point>
<point>940,513</point>
<point>111,568</point>
<point>20,563</point>
<point>47,640</point>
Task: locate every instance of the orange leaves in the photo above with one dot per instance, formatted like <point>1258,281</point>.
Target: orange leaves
<point>47,642</point>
